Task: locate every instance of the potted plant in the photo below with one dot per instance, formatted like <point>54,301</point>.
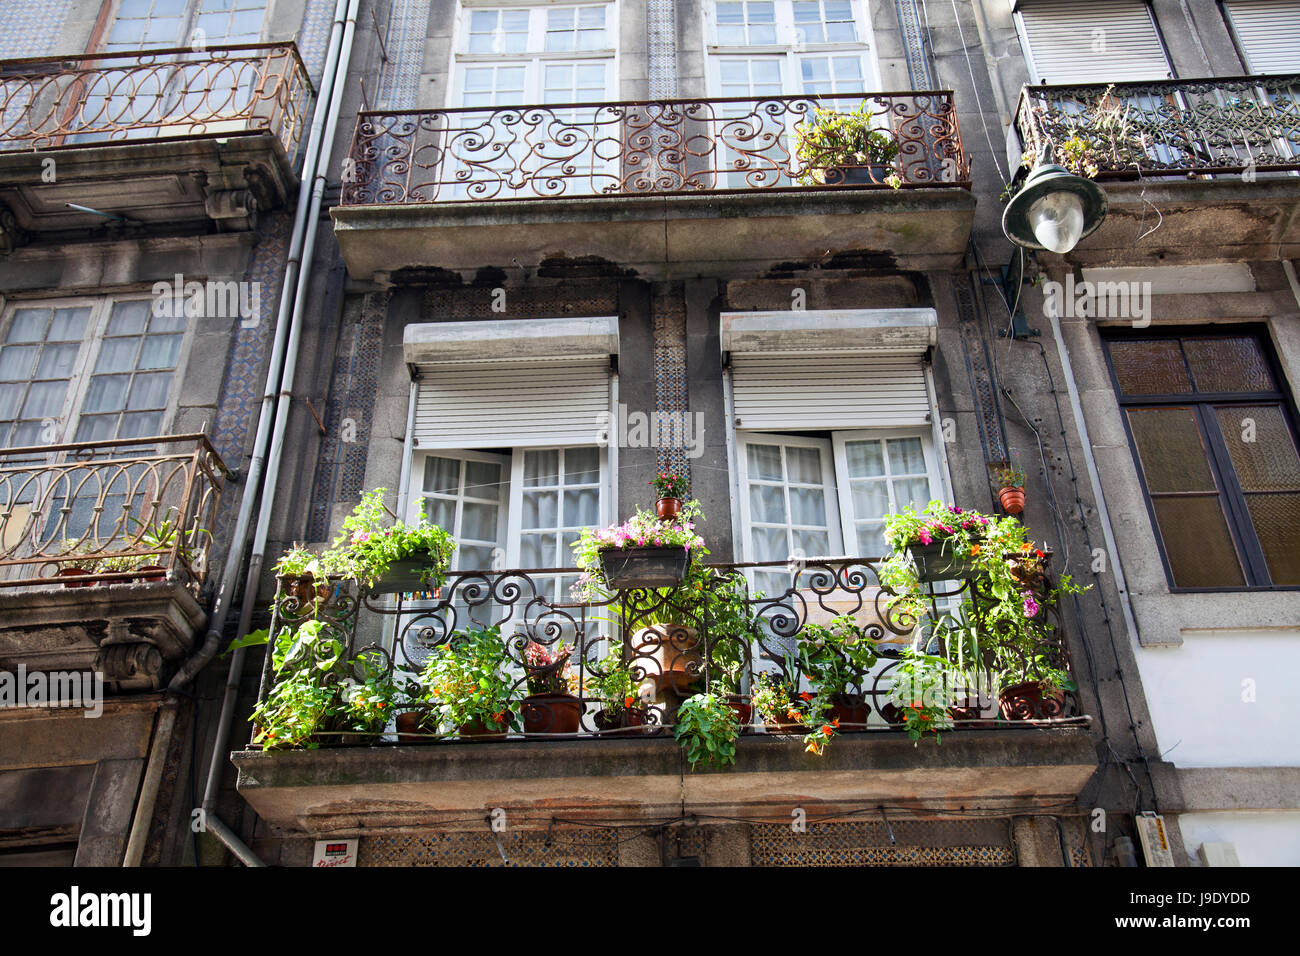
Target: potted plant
<point>642,552</point>
<point>1011,488</point>
<point>921,693</point>
<point>782,707</point>
<point>298,569</point>
<point>1028,669</point>
<point>614,685</point>
<point>942,542</point>
<point>550,708</point>
<point>80,567</point>
<point>670,491</point>
<point>836,658</point>
<point>840,148</point>
<point>707,728</point>
<point>467,683</point>
<point>403,557</point>
<point>733,628</point>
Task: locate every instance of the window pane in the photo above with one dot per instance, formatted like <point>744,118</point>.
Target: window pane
<point>441,512</point>
<point>764,462</point>
<point>160,351</point>
<point>1200,551</point>
<point>539,551</point>
<point>149,391</point>
<point>870,499</point>
<point>906,456</point>
<point>807,506</point>
<point>1228,364</point>
<point>28,325</point>
<point>69,325</point>
<point>804,465</point>
<point>479,522</point>
<point>44,399</point>
<point>581,508</point>
<point>581,466</point>
<point>473,557</point>
<point>1169,446</point>
<point>483,480</point>
<point>95,427</point>
<point>442,476</point>
<point>107,393</point>
<point>117,355</point>
<point>1149,368</point>
<point>540,509</point>
<point>56,361</point>
<point>865,458</point>
<point>10,397</point>
<point>766,504</point>
<point>770,544</point>
<point>1277,522</point>
<point>1259,442</point>
<point>16,362</point>
<point>541,468</point>
<point>140,424</point>
<point>812,543</point>
<point>912,491</point>
<point>871,540</point>
<point>128,318</point>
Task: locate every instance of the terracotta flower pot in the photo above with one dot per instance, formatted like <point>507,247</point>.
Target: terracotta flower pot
<point>1012,500</point>
<point>151,574</point>
<point>670,656</point>
<point>892,713</point>
<point>1026,702</point>
<point>552,714</point>
<point>744,712</point>
<point>668,508</point>
<point>479,730</point>
<point>972,715</point>
<point>74,573</point>
<point>851,712</point>
<point>412,729</point>
<point>783,725</point>
<point>615,724</point>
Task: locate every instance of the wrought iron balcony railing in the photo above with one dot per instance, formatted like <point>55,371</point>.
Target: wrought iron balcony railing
<point>655,147</point>
<point>706,645</point>
<point>1162,127</point>
<point>109,512</point>
<point>113,97</point>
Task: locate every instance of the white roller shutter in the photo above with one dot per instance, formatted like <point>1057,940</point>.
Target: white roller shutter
<point>1269,33</point>
<point>557,401</point>
<point>823,392</point>
<point>1091,41</point>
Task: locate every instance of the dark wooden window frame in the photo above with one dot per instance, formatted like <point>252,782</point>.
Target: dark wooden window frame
<point>1232,499</point>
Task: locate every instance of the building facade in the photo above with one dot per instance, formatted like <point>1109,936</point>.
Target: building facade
<point>572,244</point>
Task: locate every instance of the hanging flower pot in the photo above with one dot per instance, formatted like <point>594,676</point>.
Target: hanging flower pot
<point>940,561</point>
<point>668,508</point>
<point>1026,701</point>
<point>644,567</point>
<point>1012,500</point>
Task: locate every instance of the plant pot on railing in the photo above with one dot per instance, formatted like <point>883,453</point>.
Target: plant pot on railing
<point>851,711</point>
<point>671,657</point>
<point>1027,701</point>
<point>939,561</point>
<point>151,574</point>
<point>616,724</point>
<point>644,567</point>
<point>552,714</point>
<point>413,728</point>
<point>70,573</point>
<point>1012,500</point>
<point>744,712</point>
<point>870,175</point>
<point>970,713</point>
<point>481,729</point>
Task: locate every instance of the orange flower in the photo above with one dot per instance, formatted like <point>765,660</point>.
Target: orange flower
<point>629,700</point>
<point>974,550</point>
<point>836,721</point>
<point>814,747</point>
<point>1039,553</point>
<point>828,730</point>
<point>805,696</point>
<point>1026,548</point>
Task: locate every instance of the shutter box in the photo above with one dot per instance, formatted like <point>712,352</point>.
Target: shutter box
<point>1269,33</point>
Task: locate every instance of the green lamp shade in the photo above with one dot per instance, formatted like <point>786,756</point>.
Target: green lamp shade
<point>1054,210</point>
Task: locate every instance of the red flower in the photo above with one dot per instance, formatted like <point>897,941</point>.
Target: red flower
<point>805,696</point>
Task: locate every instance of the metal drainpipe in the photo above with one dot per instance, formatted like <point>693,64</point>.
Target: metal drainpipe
<point>225,592</point>
<point>1094,478</point>
<point>276,451</point>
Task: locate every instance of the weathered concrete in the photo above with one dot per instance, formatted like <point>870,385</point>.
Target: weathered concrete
<point>656,236</point>
<point>349,790</point>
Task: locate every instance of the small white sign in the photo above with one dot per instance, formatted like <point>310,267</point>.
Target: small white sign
<point>335,853</point>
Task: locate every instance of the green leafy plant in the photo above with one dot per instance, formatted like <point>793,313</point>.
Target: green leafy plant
<point>366,548</point>
<point>1009,476</point>
<point>668,484</point>
<point>834,139</point>
<point>707,729</point>
<point>835,658</point>
<point>297,562</point>
<point>467,682</point>
<point>612,683</point>
<point>922,691</point>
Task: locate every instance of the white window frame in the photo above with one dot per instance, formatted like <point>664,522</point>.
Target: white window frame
<point>933,473</point>
<point>834,536</point>
<point>790,49</point>
<point>101,310</point>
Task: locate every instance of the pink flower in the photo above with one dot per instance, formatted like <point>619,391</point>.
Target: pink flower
<point>924,536</point>
<point>1031,606</point>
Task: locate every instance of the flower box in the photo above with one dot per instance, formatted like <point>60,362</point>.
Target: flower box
<point>404,575</point>
<point>939,561</point>
<point>644,567</point>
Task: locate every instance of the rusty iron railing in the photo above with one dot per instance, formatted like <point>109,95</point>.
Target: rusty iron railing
<point>109,512</point>
<point>644,147</point>
<point>1164,127</point>
<point>112,97</point>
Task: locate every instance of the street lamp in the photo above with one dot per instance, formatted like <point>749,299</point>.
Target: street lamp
<point>1054,209</point>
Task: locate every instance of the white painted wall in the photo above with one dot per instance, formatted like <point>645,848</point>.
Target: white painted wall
<point>1197,697</point>
<point>1261,837</point>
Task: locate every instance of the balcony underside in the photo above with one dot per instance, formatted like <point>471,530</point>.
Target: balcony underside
<point>132,633</point>
<point>200,183</point>
<point>365,789</point>
<point>724,234</point>
<point>1196,221</point>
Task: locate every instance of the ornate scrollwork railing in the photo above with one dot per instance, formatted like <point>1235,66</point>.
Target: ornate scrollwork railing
<point>696,646</point>
<point>113,97</point>
<point>114,512</point>
<point>639,148</point>
<point>1214,125</point>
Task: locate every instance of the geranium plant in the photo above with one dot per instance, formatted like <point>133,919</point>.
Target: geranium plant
<point>613,684</point>
<point>643,530</point>
<point>367,548</point>
<point>669,484</point>
<point>547,668</point>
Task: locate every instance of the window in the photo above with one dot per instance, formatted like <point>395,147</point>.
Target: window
<point>772,47</point>
<point>86,371</point>
<point>1214,440</point>
<point>1091,41</point>
<point>140,24</point>
<point>1268,33</point>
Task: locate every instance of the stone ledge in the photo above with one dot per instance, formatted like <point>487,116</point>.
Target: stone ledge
<point>452,786</point>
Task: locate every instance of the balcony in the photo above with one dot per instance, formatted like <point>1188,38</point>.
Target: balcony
<point>170,139</point>
<point>1215,156</point>
<point>632,768</point>
<point>104,550</point>
<point>651,187</point>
